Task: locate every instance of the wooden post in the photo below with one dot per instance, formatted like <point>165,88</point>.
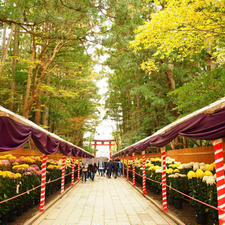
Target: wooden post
<point>72,178</point>
<point>133,164</point>
<point>43,182</point>
<point>110,149</point>
<point>95,147</point>
<point>78,170</point>
<point>63,174</point>
<point>164,194</point>
<point>123,166</point>
<point>143,173</point>
<point>218,153</point>
<point>127,169</point>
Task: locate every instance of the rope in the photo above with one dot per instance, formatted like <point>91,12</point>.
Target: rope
<point>195,199</point>
<point>28,191</point>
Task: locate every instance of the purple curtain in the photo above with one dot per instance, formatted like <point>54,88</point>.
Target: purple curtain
<point>47,145</point>
<point>75,152</point>
<point>14,135</point>
<point>65,149</point>
<point>203,126</point>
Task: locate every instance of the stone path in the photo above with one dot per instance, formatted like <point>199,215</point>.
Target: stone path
<point>103,202</point>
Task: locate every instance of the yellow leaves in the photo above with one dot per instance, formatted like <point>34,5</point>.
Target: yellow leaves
<point>130,6</point>
<point>220,56</point>
<point>30,63</point>
<point>59,93</point>
<point>150,66</point>
<point>183,25</point>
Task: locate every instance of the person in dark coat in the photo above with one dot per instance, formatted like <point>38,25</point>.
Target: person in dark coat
<point>120,168</point>
<point>115,168</point>
<point>91,171</point>
<point>92,168</point>
<point>110,166</point>
<point>105,167</point>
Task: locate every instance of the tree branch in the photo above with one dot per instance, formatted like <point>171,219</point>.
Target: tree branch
<point>14,22</point>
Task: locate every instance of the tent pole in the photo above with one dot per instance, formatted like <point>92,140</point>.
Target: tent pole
<point>143,173</point>
<point>133,164</point>
<point>43,182</point>
<point>164,194</point>
<point>219,160</point>
<point>63,174</point>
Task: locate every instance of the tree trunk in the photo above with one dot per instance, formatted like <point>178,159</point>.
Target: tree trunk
<point>29,79</point>
<point>172,86</point>
<point>37,112</point>
<point>4,38</point>
<point>45,114</point>
<point>14,63</point>
<point>43,70</point>
<point>170,78</point>
<point>6,47</point>
<point>185,142</point>
<point>138,111</point>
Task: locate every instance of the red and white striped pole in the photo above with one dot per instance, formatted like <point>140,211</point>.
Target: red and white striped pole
<point>143,173</point>
<point>133,164</point>
<point>164,194</point>
<point>78,170</point>
<point>63,174</point>
<point>127,169</point>
<point>72,178</point>
<point>123,166</point>
<point>218,153</point>
<point>43,182</point>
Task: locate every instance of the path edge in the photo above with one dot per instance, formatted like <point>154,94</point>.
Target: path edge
<point>49,205</point>
<point>170,215</point>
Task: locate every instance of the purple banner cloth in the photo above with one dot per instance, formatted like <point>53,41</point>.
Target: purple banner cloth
<point>203,126</point>
<point>65,149</point>
<point>46,144</point>
<point>76,152</point>
<point>14,135</point>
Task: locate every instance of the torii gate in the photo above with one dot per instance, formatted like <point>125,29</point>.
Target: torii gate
<point>103,143</point>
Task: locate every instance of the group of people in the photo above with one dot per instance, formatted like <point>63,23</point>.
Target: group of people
<point>110,168</point>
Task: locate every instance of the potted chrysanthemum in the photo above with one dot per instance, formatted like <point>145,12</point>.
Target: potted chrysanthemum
<point>198,190</point>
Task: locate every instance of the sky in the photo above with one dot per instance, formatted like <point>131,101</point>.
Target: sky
<point>107,126</point>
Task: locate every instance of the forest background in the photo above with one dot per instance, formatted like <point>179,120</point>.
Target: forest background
<point>166,60</point>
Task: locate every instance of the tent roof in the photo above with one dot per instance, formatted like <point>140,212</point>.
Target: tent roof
<point>210,109</point>
<point>20,119</point>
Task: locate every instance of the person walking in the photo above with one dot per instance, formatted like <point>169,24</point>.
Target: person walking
<point>105,167</point>
<point>115,168</point>
<point>119,168</point>
<point>109,168</point>
<point>100,168</point>
<point>92,168</point>
<point>84,172</point>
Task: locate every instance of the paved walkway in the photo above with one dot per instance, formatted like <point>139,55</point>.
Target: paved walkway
<point>103,202</point>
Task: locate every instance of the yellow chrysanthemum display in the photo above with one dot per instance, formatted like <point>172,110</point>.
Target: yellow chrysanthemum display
<point>170,170</point>
<point>208,173</point>
<point>210,167</point>
<point>191,174</point>
<point>200,173</point>
<point>9,174</point>
<point>51,166</point>
<point>174,165</point>
<point>20,166</point>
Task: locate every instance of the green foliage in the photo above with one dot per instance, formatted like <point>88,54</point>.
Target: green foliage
<point>200,91</point>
